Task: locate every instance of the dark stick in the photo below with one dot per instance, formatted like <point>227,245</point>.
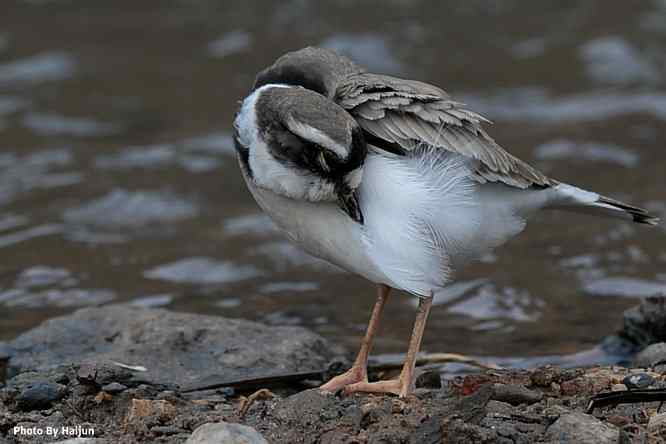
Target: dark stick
<point>261,381</point>
<point>626,397</point>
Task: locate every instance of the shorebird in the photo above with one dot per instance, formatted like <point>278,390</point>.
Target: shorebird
<point>389,179</point>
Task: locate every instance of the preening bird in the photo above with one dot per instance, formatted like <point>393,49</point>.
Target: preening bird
<point>389,179</point>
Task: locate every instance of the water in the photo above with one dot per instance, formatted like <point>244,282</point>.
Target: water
<point>118,180</point>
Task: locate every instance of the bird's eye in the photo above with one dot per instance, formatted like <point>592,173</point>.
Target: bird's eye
<point>323,158</point>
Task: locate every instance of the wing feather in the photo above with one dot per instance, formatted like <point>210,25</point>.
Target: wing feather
<point>409,113</point>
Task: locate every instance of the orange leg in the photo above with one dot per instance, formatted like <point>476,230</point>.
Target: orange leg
<point>359,370</point>
<point>403,386</point>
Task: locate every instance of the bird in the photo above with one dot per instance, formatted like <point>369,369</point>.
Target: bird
<point>390,179</point>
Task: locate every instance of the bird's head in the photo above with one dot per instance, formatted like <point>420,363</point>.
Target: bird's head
<point>298,144</point>
<point>317,69</point>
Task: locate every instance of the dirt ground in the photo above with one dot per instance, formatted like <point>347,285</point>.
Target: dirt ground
<point>544,405</point>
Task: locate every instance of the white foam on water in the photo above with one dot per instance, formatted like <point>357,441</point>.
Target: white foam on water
<point>202,270</point>
<point>612,60</point>
<point>624,287</point>
<point>233,42</point>
<point>592,151</point>
<point>44,67</point>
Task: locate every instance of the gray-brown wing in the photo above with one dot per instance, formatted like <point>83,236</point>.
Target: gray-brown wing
<point>397,115</point>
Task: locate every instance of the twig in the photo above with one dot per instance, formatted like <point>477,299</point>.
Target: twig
<point>261,381</point>
<point>626,397</point>
<point>435,358</point>
<point>246,403</point>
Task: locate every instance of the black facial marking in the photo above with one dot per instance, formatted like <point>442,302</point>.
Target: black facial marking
<point>280,107</point>
<point>290,149</point>
<point>291,75</point>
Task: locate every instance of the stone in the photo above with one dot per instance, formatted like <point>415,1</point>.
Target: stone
<point>638,381</point>
<point>456,431</point>
<point>40,395</point>
<point>581,428</point>
<point>429,380</point>
<point>515,394</point>
<point>179,348</point>
<point>645,324</point>
<point>114,387</point>
<point>225,433</point>
<point>651,355</point>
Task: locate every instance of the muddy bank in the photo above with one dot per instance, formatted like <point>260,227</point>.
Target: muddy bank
<point>123,375</point>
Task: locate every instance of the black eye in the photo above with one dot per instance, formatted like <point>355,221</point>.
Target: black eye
<point>331,159</point>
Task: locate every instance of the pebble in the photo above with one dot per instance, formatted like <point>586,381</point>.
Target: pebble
<point>515,394</point>
<point>166,430</point>
<point>40,395</point>
<point>580,428</point>
<point>227,433</point>
<point>619,420</point>
<point>429,380</point>
<point>87,373</point>
<point>638,381</point>
<point>114,387</point>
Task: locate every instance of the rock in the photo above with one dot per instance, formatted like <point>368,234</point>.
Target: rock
<point>618,387</point>
<point>515,394</point>
<point>166,430</point>
<point>645,324</point>
<point>638,381</point>
<point>429,380</point>
<point>40,396</point>
<point>619,420</point>
<point>651,355</point>
<point>657,425</point>
<point>580,428</point>
<point>179,348</point>
<point>225,433</point>
<point>114,387</point>
<point>499,408</point>
<point>456,431</point>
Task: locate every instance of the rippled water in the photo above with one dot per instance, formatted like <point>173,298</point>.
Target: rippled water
<point>118,180</point>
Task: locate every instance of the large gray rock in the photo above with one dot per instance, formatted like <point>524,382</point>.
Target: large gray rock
<point>225,433</point>
<point>580,428</point>
<point>178,348</point>
<point>651,355</point>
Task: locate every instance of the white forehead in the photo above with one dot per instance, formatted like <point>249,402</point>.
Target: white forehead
<point>246,119</point>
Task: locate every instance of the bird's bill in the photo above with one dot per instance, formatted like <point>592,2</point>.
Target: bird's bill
<point>348,201</point>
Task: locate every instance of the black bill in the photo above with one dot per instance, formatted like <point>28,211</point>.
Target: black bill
<point>348,201</point>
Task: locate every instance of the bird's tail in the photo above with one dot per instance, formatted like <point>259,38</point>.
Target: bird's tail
<point>568,197</point>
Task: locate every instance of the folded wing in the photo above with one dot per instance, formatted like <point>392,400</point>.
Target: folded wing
<point>398,115</point>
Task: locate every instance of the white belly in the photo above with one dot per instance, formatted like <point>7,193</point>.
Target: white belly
<point>424,217</point>
<point>321,229</point>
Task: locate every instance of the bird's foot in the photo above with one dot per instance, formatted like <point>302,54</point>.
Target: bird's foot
<point>356,374</point>
<point>402,386</point>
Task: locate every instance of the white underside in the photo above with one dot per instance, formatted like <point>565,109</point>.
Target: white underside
<point>424,215</point>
